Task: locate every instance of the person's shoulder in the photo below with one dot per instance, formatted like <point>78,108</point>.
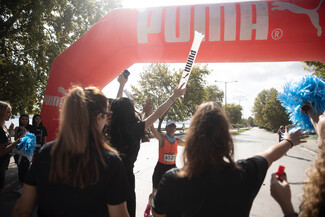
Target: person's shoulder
<point>47,147</point>
<point>173,174</point>
<point>44,154</point>
<point>255,159</point>
<point>253,164</point>
<point>111,157</point>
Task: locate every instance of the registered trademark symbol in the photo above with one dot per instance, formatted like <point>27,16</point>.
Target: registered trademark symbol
<point>277,34</point>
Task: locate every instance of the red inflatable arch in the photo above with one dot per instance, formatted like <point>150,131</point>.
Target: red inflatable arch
<point>263,31</point>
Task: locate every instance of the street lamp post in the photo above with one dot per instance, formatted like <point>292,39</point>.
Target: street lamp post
<point>226,82</point>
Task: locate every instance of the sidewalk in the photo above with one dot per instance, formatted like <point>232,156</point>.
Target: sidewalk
<point>311,144</point>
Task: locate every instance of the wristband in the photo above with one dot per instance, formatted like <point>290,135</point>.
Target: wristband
<point>172,99</point>
<point>290,214</point>
<point>288,140</point>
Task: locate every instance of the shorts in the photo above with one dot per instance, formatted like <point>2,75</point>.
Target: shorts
<point>159,171</point>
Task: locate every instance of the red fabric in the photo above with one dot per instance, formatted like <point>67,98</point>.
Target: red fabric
<point>292,30</point>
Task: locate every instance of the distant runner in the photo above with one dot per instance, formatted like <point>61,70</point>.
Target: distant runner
<point>167,157</point>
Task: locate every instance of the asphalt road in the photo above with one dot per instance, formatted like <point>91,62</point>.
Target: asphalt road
<point>247,144</point>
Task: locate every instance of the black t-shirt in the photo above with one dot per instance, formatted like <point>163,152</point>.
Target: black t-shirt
<point>54,199</point>
<point>40,132</point>
<point>4,140</point>
<point>132,134</point>
<point>223,192</point>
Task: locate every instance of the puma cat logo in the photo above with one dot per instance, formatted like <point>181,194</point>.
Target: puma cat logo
<point>62,90</point>
<point>312,13</point>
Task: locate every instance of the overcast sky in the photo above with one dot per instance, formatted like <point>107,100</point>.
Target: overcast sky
<point>252,77</point>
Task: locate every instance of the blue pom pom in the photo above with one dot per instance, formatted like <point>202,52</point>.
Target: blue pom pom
<point>27,145</point>
<point>310,89</point>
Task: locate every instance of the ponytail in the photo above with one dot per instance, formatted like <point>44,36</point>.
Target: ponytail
<point>78,152</point>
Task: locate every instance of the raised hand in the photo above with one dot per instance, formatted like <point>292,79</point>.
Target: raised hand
<point>121,79</point>
<point>148,107</point>
<point>179,91</point>
<point>296,137</point>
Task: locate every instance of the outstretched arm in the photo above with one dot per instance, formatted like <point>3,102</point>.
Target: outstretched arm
<point>158,135</point>
<point>163,108</point>
<point>122,80</point>
<point>276,151</point>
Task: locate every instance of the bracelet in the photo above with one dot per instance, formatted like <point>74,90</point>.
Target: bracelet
<point>290,214</point>
<point>288,140</point>
<point>172,99</point>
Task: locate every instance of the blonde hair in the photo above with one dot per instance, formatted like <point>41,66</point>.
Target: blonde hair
<point>74,156</point>
<point>208,141</point>
<point>3,108</point>
<point>314,189</point>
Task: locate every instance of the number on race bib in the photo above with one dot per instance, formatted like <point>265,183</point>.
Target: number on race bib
<point>169,157</point>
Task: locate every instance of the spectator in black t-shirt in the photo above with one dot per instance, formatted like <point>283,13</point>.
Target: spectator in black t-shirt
<point>126,131</point>
<point>5,141</point>
<point>40,132</point>
<point>211,183</point>
<point>78,174</point>
<point>22,161</point>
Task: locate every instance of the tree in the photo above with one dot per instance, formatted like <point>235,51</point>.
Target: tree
<point>317,68</point>
<point>250,121</point>
<point>235,113</point>
<point>33,33</point>
<point>268,111</point>
<point>213,93</point>
<point>157,82</point>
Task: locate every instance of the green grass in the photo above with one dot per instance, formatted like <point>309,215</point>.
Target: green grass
<point>239,131</point>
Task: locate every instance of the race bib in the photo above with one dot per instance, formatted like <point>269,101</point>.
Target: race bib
<point>169,157</point>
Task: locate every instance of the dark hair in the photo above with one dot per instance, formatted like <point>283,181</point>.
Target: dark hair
<point>34,123</point>
<point>208,141</point>
<point>123,111</point>
<point>21,116</point>
<point>123,114</point>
